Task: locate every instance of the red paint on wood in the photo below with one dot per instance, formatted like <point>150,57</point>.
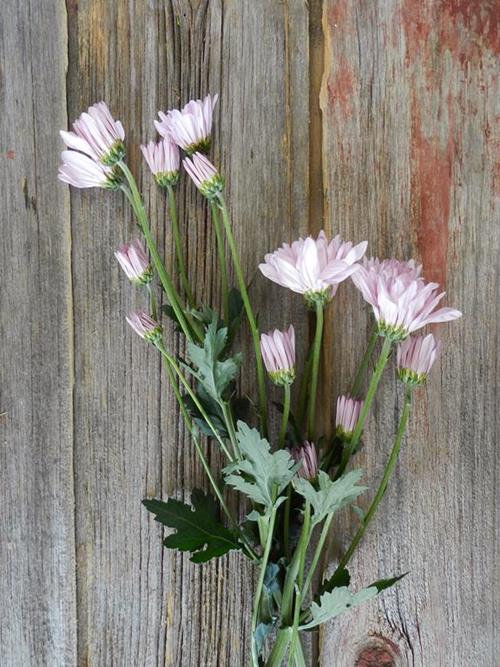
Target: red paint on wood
<point>464,28</point>
<point>479,17</point>
<point>11,154</point>
<point>432,166</point>
<point>341,86</point>
<point>337,13</point>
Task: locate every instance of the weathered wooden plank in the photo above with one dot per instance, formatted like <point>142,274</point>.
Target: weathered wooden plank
<point>37,575</point>
<point>138,604</point>
<point>408,97</point>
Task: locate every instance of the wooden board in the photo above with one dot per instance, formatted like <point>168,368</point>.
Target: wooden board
<point>37,550</point>
<point>408,99</point>
<point>403,149</point>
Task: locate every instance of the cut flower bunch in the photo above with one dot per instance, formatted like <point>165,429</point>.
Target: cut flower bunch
<point>294,478</point>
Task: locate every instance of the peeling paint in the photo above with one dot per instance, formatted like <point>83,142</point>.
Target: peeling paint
<point>464,28</point>
<point>432,172</point>
<point>341,87</point>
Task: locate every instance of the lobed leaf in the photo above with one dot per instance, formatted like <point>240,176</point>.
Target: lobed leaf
<point>197,527</point>
<point>336,602</point>
<point>213,372</point>
<point>330,496</point>
<point>260,474</point>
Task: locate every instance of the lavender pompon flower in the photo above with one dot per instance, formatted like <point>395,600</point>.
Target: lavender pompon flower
<point>204,175</point>
<point>313,267</point>
<point>278,353</point>
<point>306,453</point>
<point>164,160</point>
<point>346,419</point>
<point>415,358</point>
<point>189,128</point>
<point>81,171</point>
<point>401,299</point>
<point>98,135</point>
<point>135,263</point>
<point>144,326</point>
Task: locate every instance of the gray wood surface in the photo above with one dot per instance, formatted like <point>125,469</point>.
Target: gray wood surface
<point>389,112</point>
<point>409,101</point>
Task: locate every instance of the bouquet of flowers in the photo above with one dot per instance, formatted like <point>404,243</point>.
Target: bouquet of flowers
<point>292,481</point>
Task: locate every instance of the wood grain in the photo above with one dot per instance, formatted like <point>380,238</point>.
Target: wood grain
<point>409,101</point>
<point>37,555</point>
<point>404,152</point>
<point>138,603</point>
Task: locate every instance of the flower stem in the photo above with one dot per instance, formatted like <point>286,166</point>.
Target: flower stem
<point>222,261</point>
<point>315,371</point>
<point>286,414</point>
<point>286,521</point>
<point>134,197</point>
<point>174,218</point>
<point>317,552</point>
<point>360,375</point>
<point>388,472</point>
<point>228,419</point>
<point>293,569</point>
<point>372,389</point>
<point>305,537</point>
<point>261,379</point>
<point>280,646</point>
<point>260,584</point>
<point>194,398</point>
<point>304,384</point>
<point>189,423</point>
<point>152,302</point>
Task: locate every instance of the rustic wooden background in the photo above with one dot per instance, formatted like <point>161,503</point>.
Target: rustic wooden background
<point>375,119</point>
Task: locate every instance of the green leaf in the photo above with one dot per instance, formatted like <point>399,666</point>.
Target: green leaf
<point>336,602</point>
<point>329,496</point>
<point>340,578</point>
<point>261,475</point>
<point>262,632</point>
<point>212,409</point>
<point>383,584</point>
<point>330,601</point>
<point>213,372</point>
<point>198,529</point>
<point>271,594</point>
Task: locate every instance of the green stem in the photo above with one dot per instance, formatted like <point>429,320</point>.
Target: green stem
<point>315,371</point>
<point>304,384</point>
<point>174,218</point>
<point>222,261</point>
<point>372,389</point>
<point>360,375</point>
<point>293,570</point>
<point>228,420</point>
<point>317,552</point>
<point>153,306</point>
<point>261,378</point>
<point>298,654</point>
<point>286,521</point>
<point>134,197</point>
<point>286,414</point>
<point>279,649</point>
<point>305,537</point>
<point>260,584</point>
<point>171,372</point>
<point>388,472</point>
<point>194,398</point>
